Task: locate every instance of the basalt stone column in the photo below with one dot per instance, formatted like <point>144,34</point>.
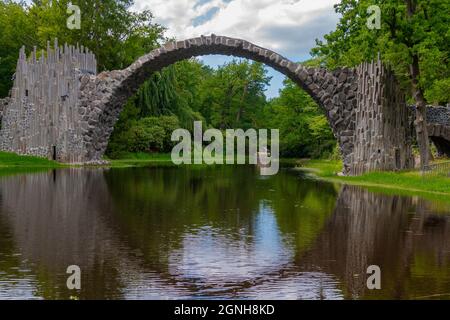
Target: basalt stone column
<point>383,134</point>
<point>42,116</point>
<point>3,105</point>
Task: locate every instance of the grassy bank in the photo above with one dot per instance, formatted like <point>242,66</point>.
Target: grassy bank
<point>11,160</point>
<point>147,159</point>
<point>14,161</point>
<point>11,164</point>
<point>411,181</point>
<point>140,159</point>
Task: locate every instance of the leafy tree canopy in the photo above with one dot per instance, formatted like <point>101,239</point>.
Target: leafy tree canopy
<point>425,34</point>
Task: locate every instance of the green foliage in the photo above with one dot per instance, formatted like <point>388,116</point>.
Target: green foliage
<point>173,91</point>
<point>304,130</point>
<point>411,181</point>
<point>13,160</point>
<point>233,95</point>
<point>439,92</point>
<point>16,29</point>
<point>115,34</point>
<point>230,97</point>
<point>157,95</point>
<point>424,34</point>
<point>149,134</point>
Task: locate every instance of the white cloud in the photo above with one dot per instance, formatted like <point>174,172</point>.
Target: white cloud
<point>287,26</point>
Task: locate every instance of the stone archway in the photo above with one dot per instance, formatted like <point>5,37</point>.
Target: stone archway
<point>439,128</point>
<point>103,96</point>
<point>61,109</point>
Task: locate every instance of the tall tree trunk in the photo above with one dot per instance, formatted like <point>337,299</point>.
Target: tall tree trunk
<point>421,105</point>
<point>421,128</point>
<point>421,115</point>
<point>226,107</point>
<point>241,105</point>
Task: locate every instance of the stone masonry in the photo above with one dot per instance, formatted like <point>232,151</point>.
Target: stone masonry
<point>383,135</point>
<point>42,116</point>
<point>3,105</point>
<point>439,128</point>
<point>371,131</point>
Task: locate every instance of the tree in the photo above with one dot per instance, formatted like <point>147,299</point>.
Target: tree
<point>149,135</point>
<point>115,34</point>
<point>167,100</point>
<point>230,97</point>
<point>304,130</point>
<point>234,94</point>
<point>413,41</point>
<point>16,30</point>
<point>173,91</point>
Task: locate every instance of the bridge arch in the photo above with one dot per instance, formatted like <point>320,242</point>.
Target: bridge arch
<point>102,97</point>
<point>439,128</point>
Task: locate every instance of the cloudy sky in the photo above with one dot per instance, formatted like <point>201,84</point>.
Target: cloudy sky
<point>288,27</point>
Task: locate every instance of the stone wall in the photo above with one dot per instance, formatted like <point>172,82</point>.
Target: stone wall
<point>383,135</point>
<point>439,128</point>
<point>3,105</point>
<point>438,119</point>
<point>42,117</point>
<point>438,115</point>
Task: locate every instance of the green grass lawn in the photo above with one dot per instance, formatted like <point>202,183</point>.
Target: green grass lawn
<point>10,160</point>
<point>142,156</point>
<point>407,180</point>
<point>139,159</point>
<point>11,164</point>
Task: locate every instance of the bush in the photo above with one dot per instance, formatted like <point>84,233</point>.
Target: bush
<point>150,135</point>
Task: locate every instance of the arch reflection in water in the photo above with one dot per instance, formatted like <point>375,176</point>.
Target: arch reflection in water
<point>219,232</point>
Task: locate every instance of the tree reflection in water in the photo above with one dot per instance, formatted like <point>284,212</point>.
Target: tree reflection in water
<point>219,232</point>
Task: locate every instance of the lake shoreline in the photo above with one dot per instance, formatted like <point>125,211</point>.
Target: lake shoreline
<point>326,170</point>
<point>407,182</point>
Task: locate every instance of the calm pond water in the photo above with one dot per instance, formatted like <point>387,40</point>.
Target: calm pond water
<point>216,232</point>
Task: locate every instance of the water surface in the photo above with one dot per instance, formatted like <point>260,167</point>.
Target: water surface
<point>215,232</point>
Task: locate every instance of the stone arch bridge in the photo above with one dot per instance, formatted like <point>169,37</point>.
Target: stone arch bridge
<point>61,109</point>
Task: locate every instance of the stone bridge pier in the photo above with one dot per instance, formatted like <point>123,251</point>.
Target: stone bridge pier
<point>364,106</point>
